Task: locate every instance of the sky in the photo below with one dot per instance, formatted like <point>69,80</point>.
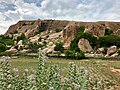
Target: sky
<point>11,11</point>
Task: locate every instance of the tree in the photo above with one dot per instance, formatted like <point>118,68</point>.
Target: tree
<point>74,55</point>
<point>59,47</point>
<point>108,31</point>
<point>58,29</point>
<point>2,47</point>
<point>82,28</point>
<point>21,37</point>
<point>110,40</point>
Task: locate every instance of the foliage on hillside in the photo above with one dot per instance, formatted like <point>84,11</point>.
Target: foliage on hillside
<point>5,42</point>
<point>95,41</point>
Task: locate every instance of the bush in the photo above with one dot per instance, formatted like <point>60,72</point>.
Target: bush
<point>74,54</point>
<point>41,29</point>
<point>58,29</point>
<point>5,53</point>
<point>108,31</point>
<point>6,40</point>
<point>34,46</point>
<point>82,28</point>
<point>2,47</point>
<point>22,37</point>
<point>59,47</point>
<point>45,43</point>
<point>118,52</point>
<point>9,42</point>
<point>107,41</point>
<point>80,55</point>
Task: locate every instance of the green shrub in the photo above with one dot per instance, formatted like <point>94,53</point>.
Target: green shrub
<point>40,39</point>
<point>58,29</point>
<point>5,53</point>
<point>107,41</point>
<point>80,55</point>
<point>81,29</point>
<point>21,37</point>
<point>59,47</point>
<point>45,43</point>
<point>34,46</point>
<point>118,52</point>
<point>108,31</point>
<point>6,40</point>
<point>74,45</point>
<point>74,55</point>
<point>9,42</point>
<point>2,47</point>
<point>32,22</point>
<point>41,29</point>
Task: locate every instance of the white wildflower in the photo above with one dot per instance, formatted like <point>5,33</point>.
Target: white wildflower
<point>51,88</point>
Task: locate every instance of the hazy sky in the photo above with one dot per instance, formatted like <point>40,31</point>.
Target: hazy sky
<point>12,11</point>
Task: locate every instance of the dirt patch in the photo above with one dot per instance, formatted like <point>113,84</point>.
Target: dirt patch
<point>115,70</point>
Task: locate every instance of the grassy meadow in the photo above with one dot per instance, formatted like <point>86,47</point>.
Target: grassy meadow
<point>109,68</point>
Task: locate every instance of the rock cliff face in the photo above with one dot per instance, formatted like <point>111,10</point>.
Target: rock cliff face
<point>69,28</point>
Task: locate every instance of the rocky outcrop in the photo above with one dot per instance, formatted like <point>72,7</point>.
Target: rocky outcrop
<point>69,33</point>
<point>100,50</point>
<point>44,32</point>
<point>12,50</point>
<point>84,45</point>
<point>30,27</point>
<point>112,50</point>
<point>95,29</point>
<point>70,28</point>
<point>34,38</point>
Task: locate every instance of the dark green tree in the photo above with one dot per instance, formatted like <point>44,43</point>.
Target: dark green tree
<point>59,47</point>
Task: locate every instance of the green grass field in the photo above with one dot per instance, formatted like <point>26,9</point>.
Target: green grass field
<point>109,68</point>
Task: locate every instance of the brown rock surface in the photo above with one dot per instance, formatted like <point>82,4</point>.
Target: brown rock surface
<point>69,28</point>
<point>70,32</point>
<point>12,50</point>
<point>112,50</point>
<point>84,45</point>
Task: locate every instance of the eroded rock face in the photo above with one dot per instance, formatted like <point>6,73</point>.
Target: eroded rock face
<point>84,45</point>
<point>69,33</point>
<point>69,30</point>
<point>34,39</point>
<point>95,29</point>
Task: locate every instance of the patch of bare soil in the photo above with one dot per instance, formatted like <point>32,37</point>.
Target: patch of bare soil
<point>115,70</point>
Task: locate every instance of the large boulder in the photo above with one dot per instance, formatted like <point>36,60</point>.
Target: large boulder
<point>115,55</point>
<point>101,50</point>
<point>112,50</point>
<point>20,43</point>
<point>50,43</point>
<point>84,45</point>
<point>50,49</point>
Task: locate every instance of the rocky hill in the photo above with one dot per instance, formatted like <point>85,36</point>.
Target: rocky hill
<point>53,31</point>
